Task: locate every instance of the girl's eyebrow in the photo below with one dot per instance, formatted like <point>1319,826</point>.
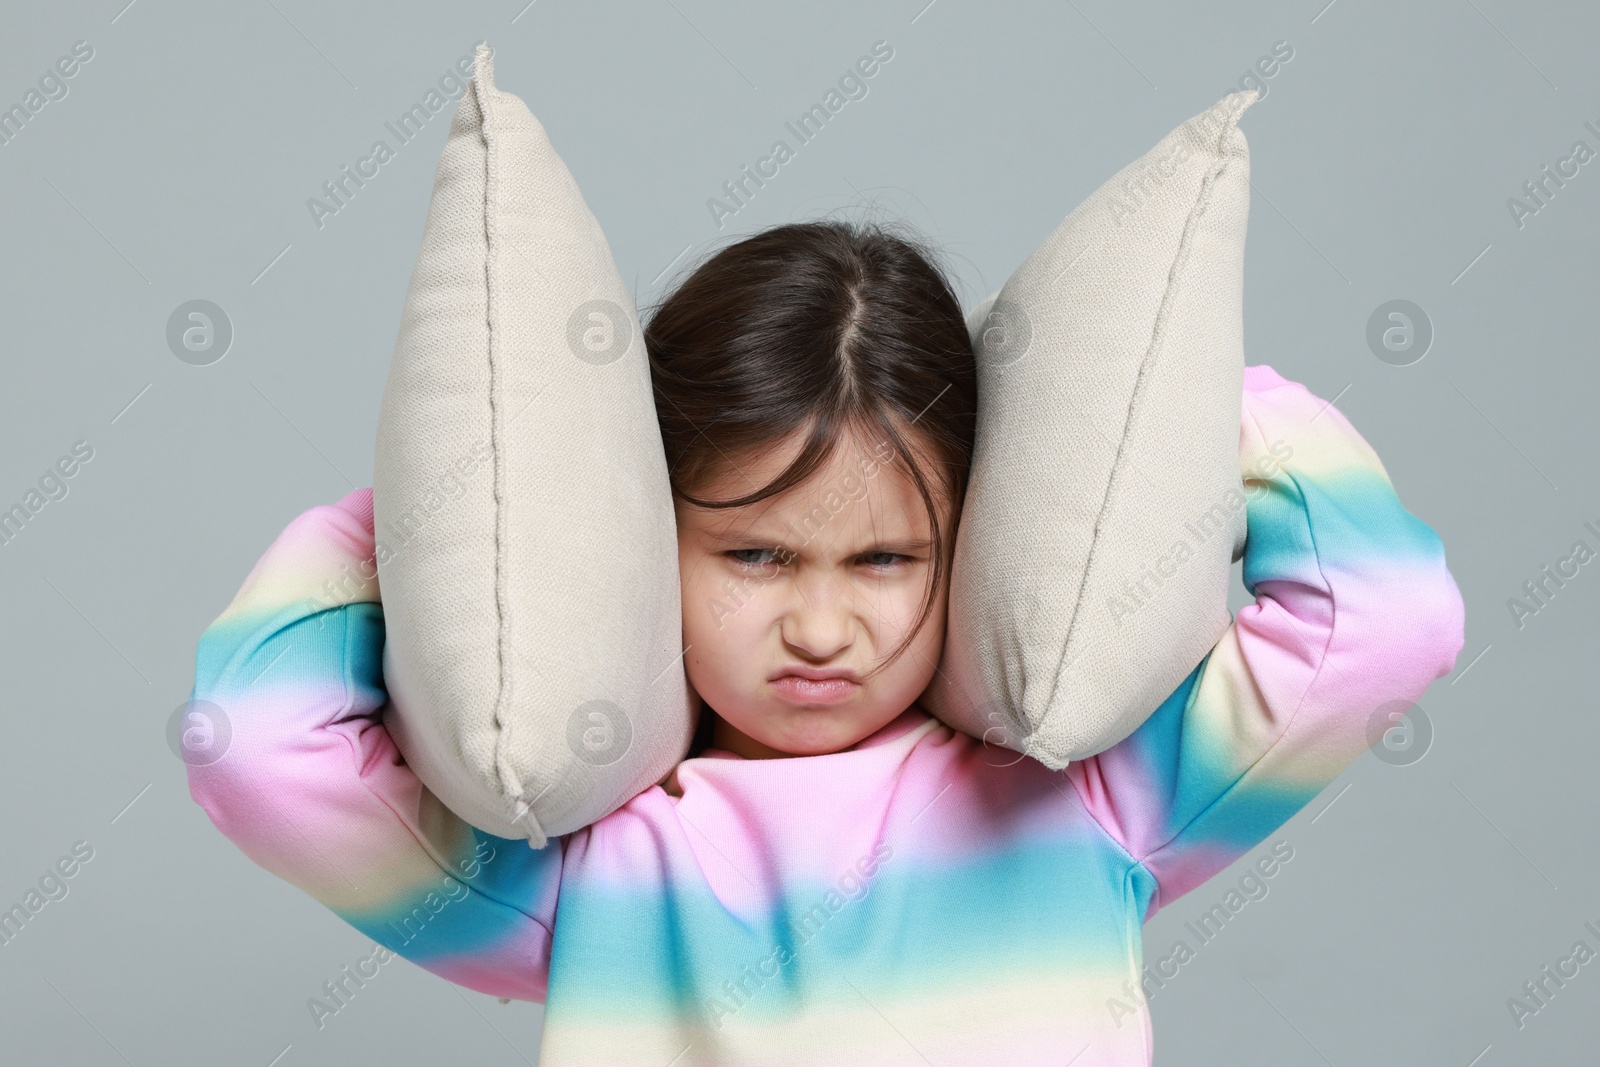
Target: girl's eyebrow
<point>753,540</point>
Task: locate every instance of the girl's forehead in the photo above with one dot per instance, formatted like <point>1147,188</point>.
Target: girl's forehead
<point>859,454</point>
<point>741,471</point>
<point>861,494</point>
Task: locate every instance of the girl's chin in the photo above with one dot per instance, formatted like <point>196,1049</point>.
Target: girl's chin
<point>777,729</point>
<point>792,731</point>
<point>816,731</point>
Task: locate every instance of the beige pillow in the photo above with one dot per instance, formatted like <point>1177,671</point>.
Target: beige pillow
<point>527,547</point>
<point>1094,553</point>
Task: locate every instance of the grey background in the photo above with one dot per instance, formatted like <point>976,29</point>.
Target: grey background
<point>178,167</point>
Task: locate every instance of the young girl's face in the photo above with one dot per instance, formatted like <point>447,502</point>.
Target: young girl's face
<point>829,578</point>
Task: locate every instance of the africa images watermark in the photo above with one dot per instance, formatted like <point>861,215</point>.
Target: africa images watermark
<point>1539,591</point>
<point>1542,187</point>
<point>852,85</point>
<point>53,485</point>
<point>1537,992</point>
<point>1140,589</point>
<point>850,887</point>
<point>1139,188</point>
<point>339,991</point>
<point>342,188</point>
<point>1007,334</point>
<point>52,887</point>
<point>52,86</point>
<point>402,529</point>
<point>742,591</point>
<point>1251,886</point>
<point>599,332</point>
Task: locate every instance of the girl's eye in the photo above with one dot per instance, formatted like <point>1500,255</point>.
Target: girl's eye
<point>764,559</point>
<point>776,556</point>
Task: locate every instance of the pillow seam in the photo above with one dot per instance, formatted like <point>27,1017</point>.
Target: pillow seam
<point>1147,363</point>
<point>502,719</point>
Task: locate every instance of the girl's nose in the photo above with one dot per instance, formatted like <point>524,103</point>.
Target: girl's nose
<point>819,622</point>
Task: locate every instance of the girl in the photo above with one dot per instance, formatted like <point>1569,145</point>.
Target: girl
<point>832,876</point>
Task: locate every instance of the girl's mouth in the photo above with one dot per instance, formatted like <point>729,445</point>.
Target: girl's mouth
<point>796,690</point>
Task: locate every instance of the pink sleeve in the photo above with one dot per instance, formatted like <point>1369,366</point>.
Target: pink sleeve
<point>291,760</point>
<point>1355,615</point>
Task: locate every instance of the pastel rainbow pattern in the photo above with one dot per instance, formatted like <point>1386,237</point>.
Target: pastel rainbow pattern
<point>917,898</point>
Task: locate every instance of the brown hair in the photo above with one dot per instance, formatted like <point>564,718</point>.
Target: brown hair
<point>827,327</point>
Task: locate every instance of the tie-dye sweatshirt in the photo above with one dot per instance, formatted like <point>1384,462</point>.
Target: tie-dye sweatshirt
<point>918,898</point>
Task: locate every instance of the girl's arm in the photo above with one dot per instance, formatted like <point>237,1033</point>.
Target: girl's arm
<point>1354,609</point>
<point>305,779</point>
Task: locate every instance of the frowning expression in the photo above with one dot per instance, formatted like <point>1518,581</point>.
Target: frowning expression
<point>789,602</point>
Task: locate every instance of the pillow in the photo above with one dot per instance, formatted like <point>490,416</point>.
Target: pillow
<point>527,548</point>
<point>1105,509</point>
